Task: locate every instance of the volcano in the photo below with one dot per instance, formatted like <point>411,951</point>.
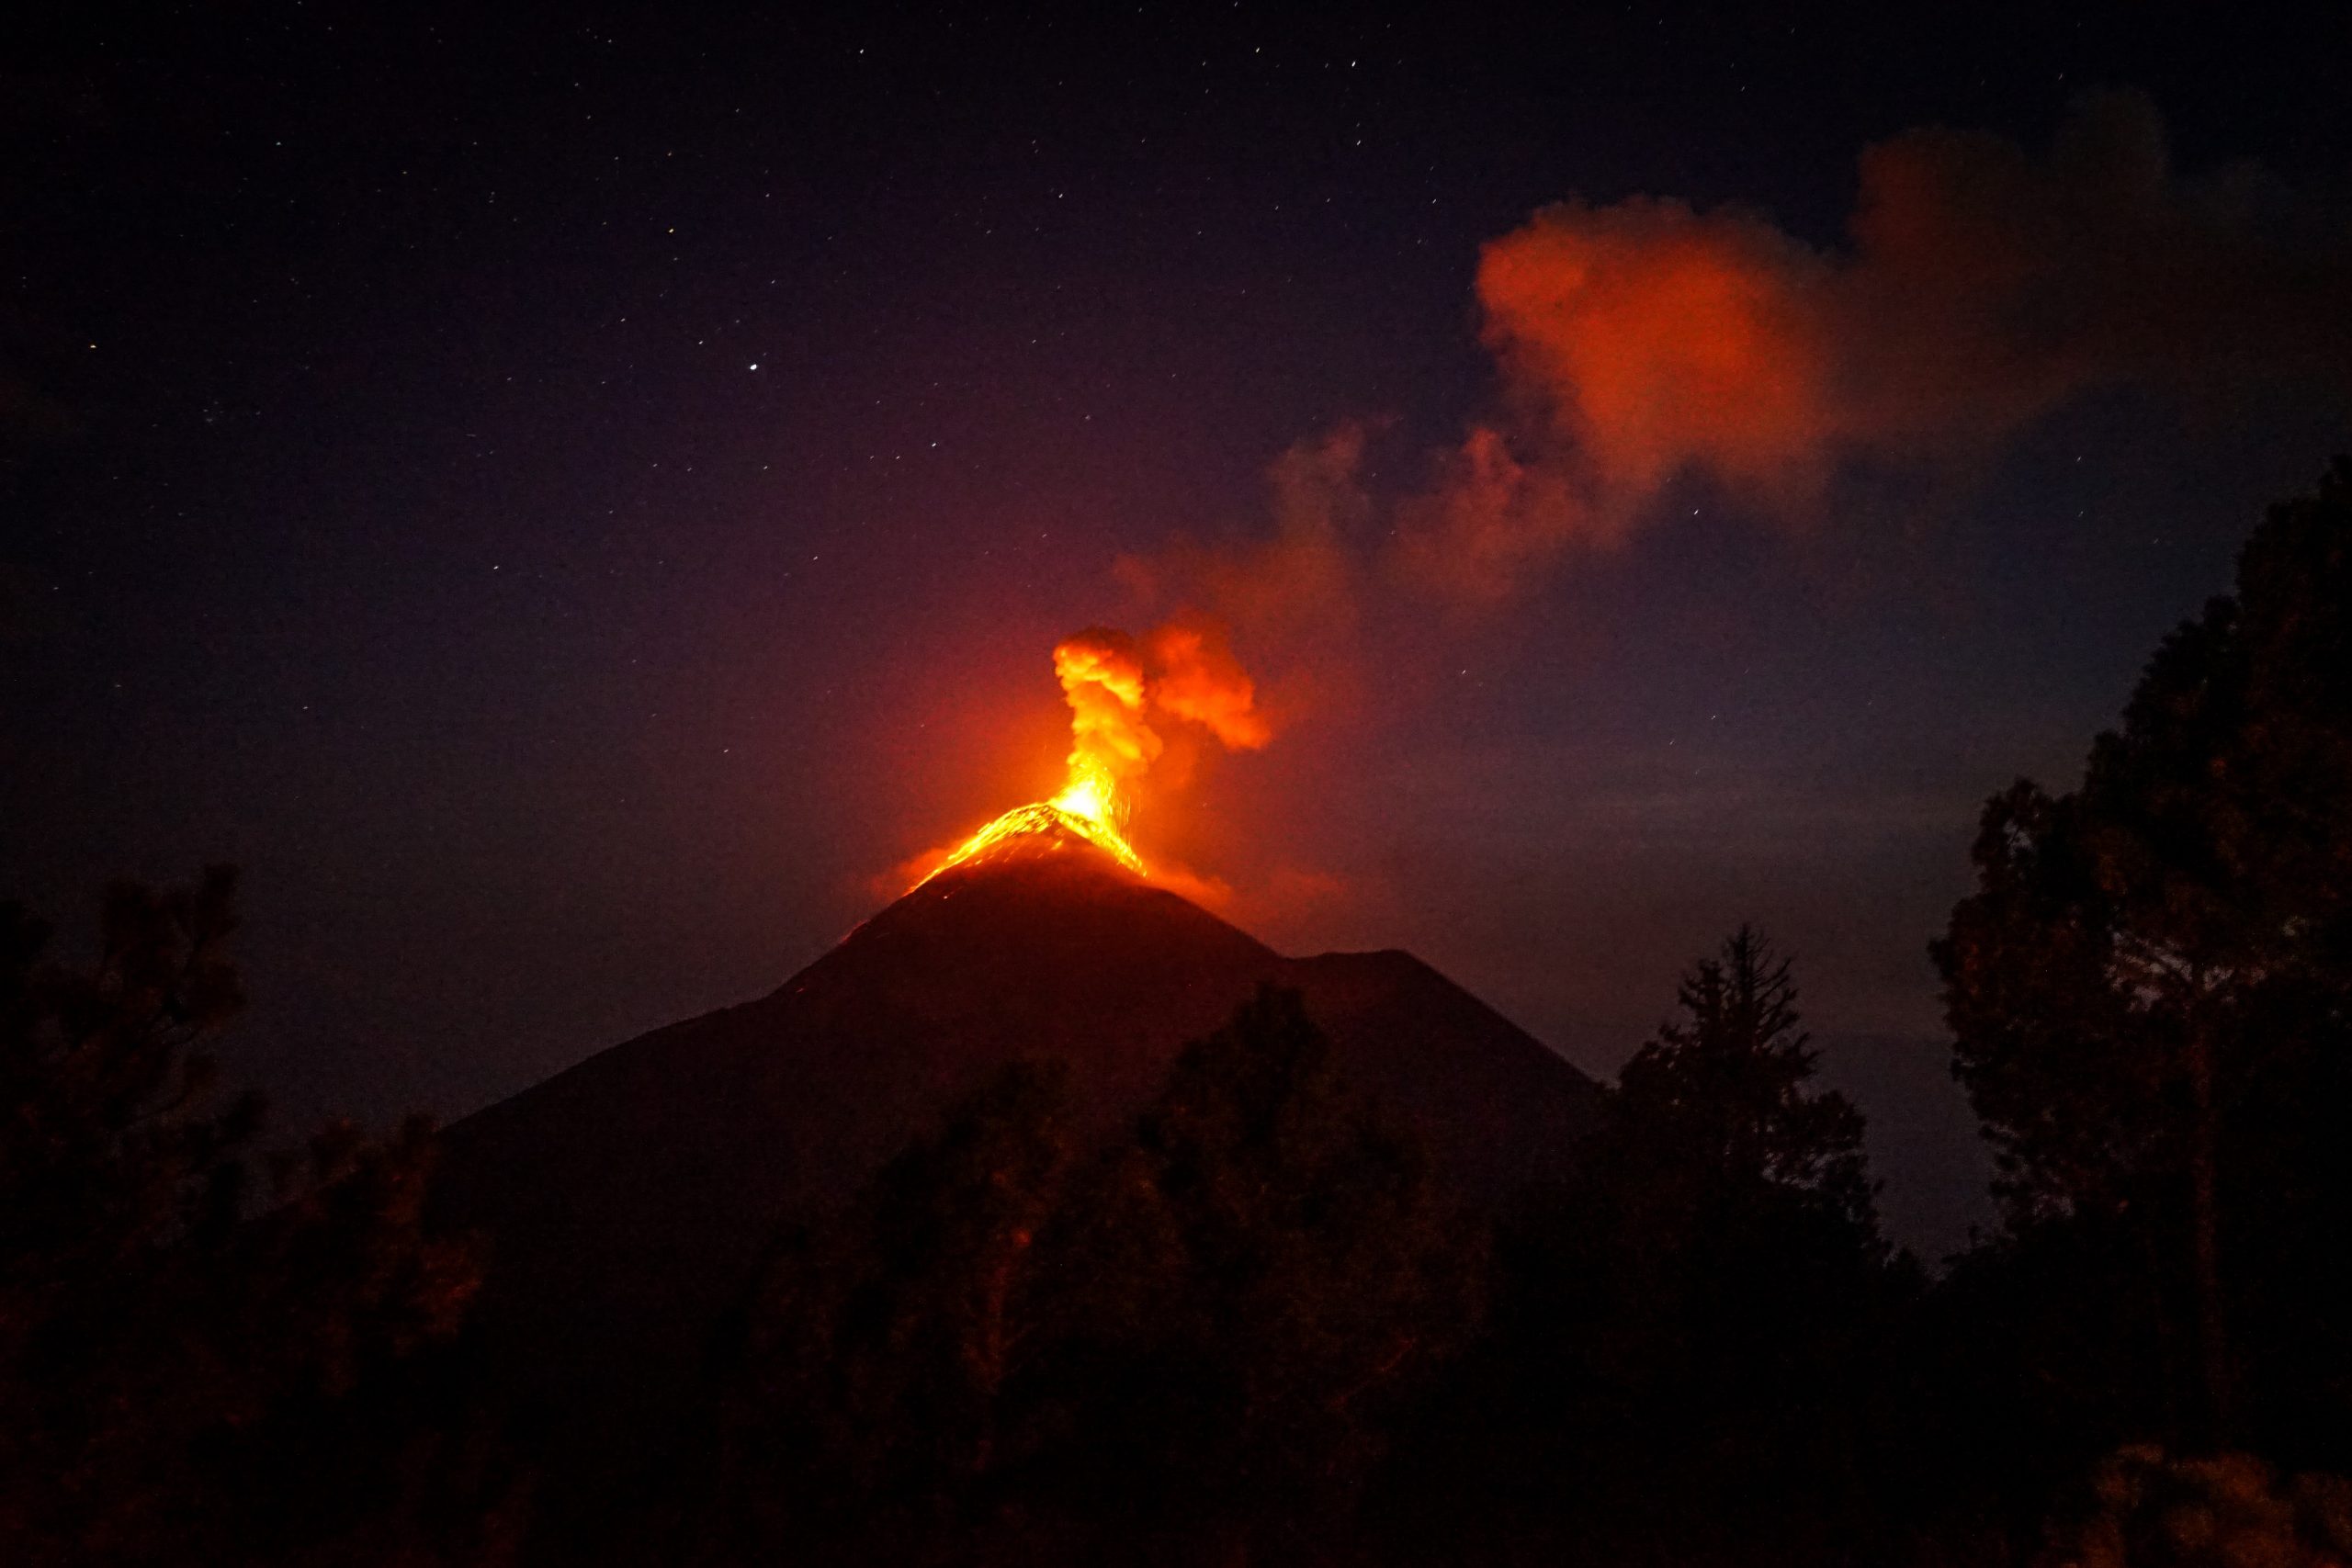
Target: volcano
<point>627,1201</point>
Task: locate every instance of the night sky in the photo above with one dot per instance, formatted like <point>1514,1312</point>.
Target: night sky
<point>572,507</point>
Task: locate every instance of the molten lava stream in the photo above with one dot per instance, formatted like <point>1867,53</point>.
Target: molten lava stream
<point>1046,817</point>
<point>1111,691</point>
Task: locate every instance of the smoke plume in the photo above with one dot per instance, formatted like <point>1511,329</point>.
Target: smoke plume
<point>1117,688</point>
<point>1644,343</point>
<point>1978,287</point>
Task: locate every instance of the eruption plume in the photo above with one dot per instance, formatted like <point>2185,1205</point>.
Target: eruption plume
<point>1110,743</point>
<point>1181,671</point>
<point>1979,285</point>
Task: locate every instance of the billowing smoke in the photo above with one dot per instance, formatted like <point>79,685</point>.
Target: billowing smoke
<point>1117,688</point>
<point>1111,743</point>
<point>1646,344</point>
<point>1979,287</point>
<point>1196,678</point>
<point>1120,692</point>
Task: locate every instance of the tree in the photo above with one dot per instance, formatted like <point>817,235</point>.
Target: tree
<point>2149,1510</point>
<point>163,1330</point>
<point>1701,1312</point>
<point>1237,1298</point>
<point>1182,1340</point>
<point>1721,1096</point>
<point>2148,991</point>
<point>858,1411</point>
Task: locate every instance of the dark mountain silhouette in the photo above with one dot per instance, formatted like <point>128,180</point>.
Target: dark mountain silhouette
<point>626,1200</point>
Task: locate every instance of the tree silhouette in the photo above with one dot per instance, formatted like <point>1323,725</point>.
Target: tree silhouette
<point>1232,1303</point>
<point>1686,1335</point>
<point>164,1331</point>
<point>1721,1095</point>
<point>858,1412</point>
<point>2148,990</point>
<point>1174,1344</point>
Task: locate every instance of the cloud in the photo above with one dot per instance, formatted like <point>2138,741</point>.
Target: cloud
<point>1199,681</point>
<point>1651,336</point>
<point>1978,287</point>
<point>1640,345</point>
<point>1300,582</point>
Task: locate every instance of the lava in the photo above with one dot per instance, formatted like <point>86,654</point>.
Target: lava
<point>1046,817</point>
<point>1113,687</point>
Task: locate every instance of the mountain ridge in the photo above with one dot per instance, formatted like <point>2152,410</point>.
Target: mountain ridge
<point>627,1199</point>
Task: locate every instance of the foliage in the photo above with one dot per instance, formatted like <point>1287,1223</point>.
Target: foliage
<point>1701,1312</point>
<point>159,1342</point>
<point>1720,1099</point>
<point>2149,990</point>
<point>2231,1510</point>
<point>864,1398</point>
<point>1237,1296</point>
<point>1185,1338</point>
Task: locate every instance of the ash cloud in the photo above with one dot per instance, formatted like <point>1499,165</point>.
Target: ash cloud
<point>1117,686</point>
<point>1979,287</point>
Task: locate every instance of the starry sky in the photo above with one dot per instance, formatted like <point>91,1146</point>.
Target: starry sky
<point>571,507</point>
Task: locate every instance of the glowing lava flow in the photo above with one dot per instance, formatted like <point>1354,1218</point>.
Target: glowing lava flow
<point>1182,672</point>
<point>1102,676</point>
<point>1087,808</point>
<point>1043,817</point>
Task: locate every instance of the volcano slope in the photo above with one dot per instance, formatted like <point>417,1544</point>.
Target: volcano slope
<point>627,1201</point>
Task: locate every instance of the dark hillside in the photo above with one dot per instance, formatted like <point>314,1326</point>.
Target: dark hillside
<point>627,1199</point>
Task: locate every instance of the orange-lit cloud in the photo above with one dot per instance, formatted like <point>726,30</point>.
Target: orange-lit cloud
<point>1121,692</point>
<point>1301,583</point>
<point>1198,680</point>
<point>1112,743</point>
<point>1658,337</point>
<point>1979,287</point>
<point>1647,343</point>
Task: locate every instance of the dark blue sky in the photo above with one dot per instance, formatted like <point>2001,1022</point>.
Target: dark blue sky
<point>568,506</point>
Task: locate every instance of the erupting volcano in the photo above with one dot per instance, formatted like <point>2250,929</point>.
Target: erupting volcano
<point>630,1198</point>
<point>1114,686</point>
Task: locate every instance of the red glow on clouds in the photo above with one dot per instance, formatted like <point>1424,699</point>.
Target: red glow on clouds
<point>1979,287</point>
<point>1662,337</point>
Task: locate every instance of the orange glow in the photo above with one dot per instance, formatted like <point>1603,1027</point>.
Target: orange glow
<point>1182,672</point>
<point>1665,336</point>
<point>1041,818</point>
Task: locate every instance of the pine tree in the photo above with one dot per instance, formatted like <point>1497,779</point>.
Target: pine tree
<point>1702,1310</point>
<point>1722,1094</point>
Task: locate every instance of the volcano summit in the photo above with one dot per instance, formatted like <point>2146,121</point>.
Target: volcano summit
<point>628,1200</point>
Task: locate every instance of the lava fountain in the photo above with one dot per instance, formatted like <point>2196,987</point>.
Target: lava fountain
<point>1116,687</point>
